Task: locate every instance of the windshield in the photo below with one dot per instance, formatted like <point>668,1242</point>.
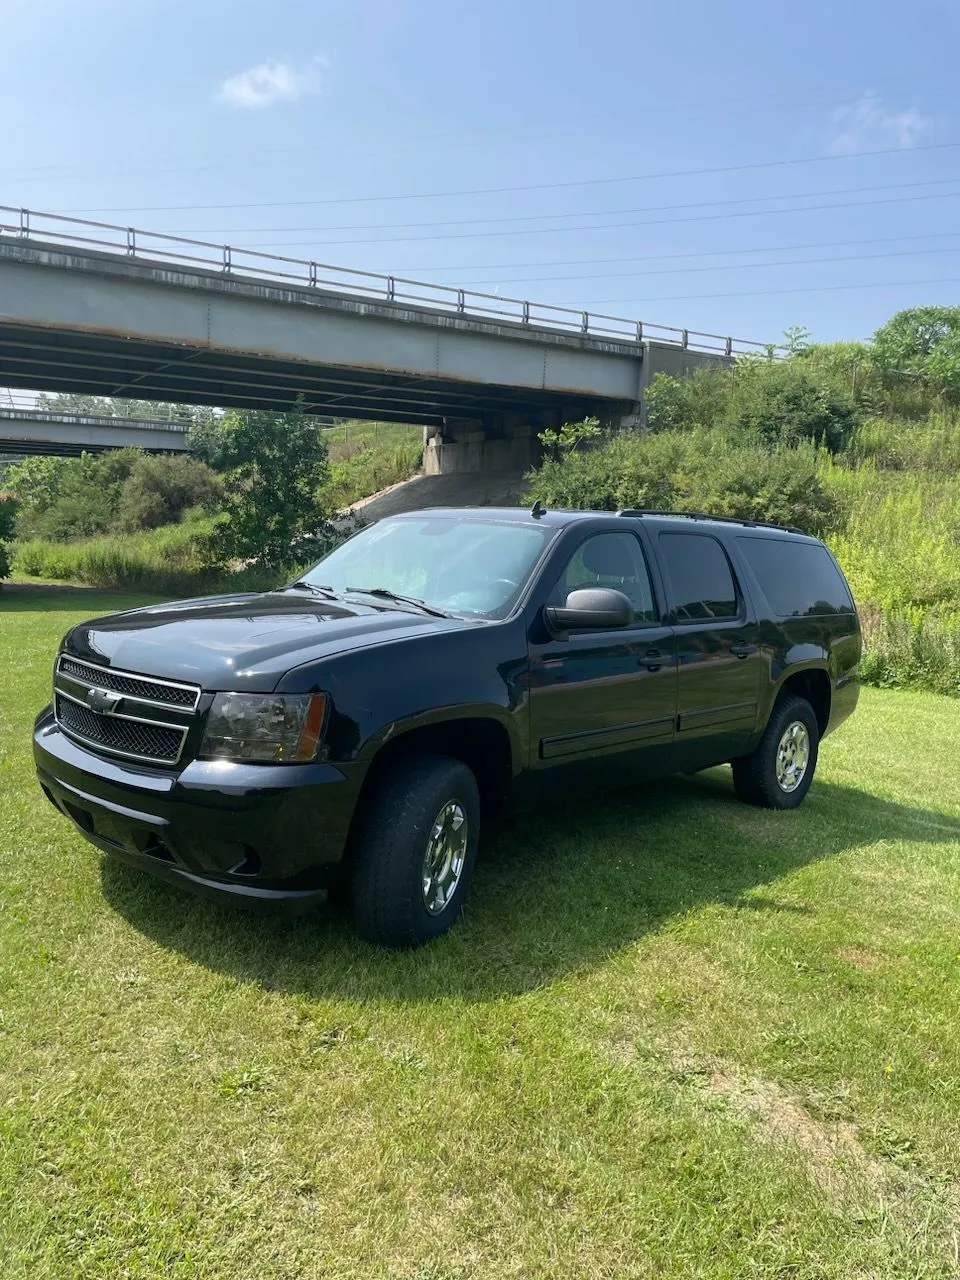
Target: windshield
<point>471,567</point>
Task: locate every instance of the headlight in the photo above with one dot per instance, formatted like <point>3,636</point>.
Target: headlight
<point>269,728</point>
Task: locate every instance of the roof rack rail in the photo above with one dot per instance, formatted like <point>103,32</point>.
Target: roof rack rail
<point>705,515</point>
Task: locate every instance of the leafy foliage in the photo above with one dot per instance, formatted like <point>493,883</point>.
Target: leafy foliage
<point>113,407</point>
<point>278,465</point>
<point>365,457</point>
<point>8,511</point>
<point>699,469</point>
<point>572,435</point>
<point>126,490</point>
<point>158,490</point>
<point>922,343</point>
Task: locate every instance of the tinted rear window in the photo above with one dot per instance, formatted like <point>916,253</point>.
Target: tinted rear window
<point>700,577</point>
<point>799,579</point>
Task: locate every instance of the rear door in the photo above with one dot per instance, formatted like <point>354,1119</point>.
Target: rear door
<point>603,703</point>
<point>718,652</point>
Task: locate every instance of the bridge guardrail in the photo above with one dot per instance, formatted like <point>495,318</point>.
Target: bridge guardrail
<point>160,247</point>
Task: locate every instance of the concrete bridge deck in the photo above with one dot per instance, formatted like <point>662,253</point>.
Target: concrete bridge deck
<point>116,312</point>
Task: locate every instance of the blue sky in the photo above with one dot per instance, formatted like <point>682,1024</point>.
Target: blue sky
<point>691,164</point>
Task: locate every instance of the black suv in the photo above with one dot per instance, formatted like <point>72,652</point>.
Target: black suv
<point>356,728</point>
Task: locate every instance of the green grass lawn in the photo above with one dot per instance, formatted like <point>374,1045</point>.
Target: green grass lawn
<point>673,1037</point>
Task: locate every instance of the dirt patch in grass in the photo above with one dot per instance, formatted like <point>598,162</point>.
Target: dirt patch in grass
<point>865,961</point>
<point>832,1151</point>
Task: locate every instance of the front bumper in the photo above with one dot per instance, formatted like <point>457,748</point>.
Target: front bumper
<point>250,833</point>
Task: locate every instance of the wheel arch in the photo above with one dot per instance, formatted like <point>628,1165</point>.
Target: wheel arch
<point>482,742</point>
<point>813,684</point>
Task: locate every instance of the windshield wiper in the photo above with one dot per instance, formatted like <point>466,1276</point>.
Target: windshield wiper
<point>327,592</point>
<point>384,593</point>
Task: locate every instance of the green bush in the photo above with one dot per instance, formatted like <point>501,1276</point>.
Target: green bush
<point>774,402</point>
<point>159,489</point>
<point>898,445</point>
<point>694,470</point>
<point>911,648</point>
<point>122,491</point>
<point>8,512</point>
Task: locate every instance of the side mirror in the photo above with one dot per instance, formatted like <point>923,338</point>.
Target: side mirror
<point>590,609</point>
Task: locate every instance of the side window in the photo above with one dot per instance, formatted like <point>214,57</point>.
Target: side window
<point>799,579</point>
<point>700,577</point>
<point>609,560</point>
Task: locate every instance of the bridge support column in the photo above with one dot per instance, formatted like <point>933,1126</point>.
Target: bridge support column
<point>504,443</point>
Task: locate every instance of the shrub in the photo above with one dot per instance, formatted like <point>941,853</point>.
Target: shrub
<point>696,470</point>
<point>911,648</point>
<point>930,445</point>
<point>8,511</point>
<point>124,490</point>
<point>776,402</point>
<point>158,490</point>
<point>785,403</point>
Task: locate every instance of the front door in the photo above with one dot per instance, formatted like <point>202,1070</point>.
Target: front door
<point>718,653</point>
<point>603,703</point>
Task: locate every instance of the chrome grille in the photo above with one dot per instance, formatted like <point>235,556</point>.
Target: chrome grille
<point>123,713</point>
<point>167,692</point>
<point>117,736</point>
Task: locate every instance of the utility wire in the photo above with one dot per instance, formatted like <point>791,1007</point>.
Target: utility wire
<point>665,257</point>
<point>782,101</point>
<point>770,293</point>
<point>601,226</point>
<point>585,213</point>
<point>537,186</point>
<point>741,266</point>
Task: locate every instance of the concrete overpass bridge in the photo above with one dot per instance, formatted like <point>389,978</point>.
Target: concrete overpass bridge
<point>27,428</point>
<point>115,311</point>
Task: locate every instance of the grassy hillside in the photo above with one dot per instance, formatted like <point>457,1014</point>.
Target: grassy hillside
<point>673,1037</point>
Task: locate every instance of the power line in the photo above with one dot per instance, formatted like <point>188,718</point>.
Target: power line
<point>586,213</point>
<point>770,293</point>
<point>601,226</point>
<point>782,101</point>
<point>701,253</point>
<point>740,266</point>
<point>539,186</point>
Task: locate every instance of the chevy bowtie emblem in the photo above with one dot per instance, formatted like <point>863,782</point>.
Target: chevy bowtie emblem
<point>103,701</point>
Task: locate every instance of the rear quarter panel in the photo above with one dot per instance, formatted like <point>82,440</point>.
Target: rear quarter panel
<point>829,642</point>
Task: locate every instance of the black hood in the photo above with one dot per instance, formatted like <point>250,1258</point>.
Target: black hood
<point>242,642</point>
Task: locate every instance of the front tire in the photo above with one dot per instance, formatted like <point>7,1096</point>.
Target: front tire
<point>778,774</point>
<point>415,852</point>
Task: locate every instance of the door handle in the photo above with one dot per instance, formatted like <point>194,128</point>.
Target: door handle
<point>743,650</point>
<point>652,660</point>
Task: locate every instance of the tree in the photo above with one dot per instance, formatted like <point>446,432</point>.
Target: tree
<point>796,339</point>
<point>8,511</point>
<point>277,464</point>
<point>112,407</point>
<point>922,343</point>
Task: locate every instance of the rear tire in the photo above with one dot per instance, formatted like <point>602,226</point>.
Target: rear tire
<point>415,852</point>
<point>778,774</point>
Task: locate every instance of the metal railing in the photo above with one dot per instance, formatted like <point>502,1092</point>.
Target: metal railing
<point>231,260</point>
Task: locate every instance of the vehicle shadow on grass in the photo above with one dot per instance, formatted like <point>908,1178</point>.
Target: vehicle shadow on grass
<point>551,895</point>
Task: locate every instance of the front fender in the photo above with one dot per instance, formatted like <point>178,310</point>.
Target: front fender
<point>378,693</point>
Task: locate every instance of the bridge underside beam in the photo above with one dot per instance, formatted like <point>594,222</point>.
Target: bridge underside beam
<point>65,360</point>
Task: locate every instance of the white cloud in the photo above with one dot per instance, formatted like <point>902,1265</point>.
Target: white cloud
<point>867,124</point>
<point>269,83</point>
